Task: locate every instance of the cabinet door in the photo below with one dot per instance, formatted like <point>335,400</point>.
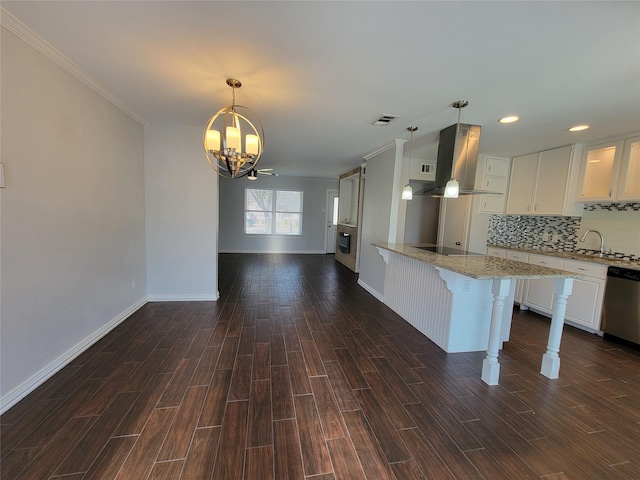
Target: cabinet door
<point>551,186</point>
<point>629,184</point>
<point>497,166</point>
<point>584,305</point>
<point>494,179</point>
<point>496,252</point>
<point>539,292</point>
<point>524,171</point>
<point>599,168</point>
<point>494,203</point>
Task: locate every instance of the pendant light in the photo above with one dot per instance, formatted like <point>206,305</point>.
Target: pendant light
<point>407,191</point>
<point>452,188</point>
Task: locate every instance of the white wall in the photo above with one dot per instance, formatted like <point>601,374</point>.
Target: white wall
<point>620,229</point>
<point>376,215</point>
<point>73,239</point>
<point>181,193</point>
<point>232,237</point>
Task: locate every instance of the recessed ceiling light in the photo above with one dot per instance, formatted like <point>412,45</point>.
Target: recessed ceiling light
<point>509,119</point>
<point>578,128</point>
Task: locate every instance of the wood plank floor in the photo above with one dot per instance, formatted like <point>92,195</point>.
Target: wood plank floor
<point>296,372</point>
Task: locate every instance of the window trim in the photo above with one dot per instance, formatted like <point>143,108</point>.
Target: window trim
<point>274,213</point>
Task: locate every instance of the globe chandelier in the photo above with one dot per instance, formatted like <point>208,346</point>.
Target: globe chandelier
<point>228,153</point>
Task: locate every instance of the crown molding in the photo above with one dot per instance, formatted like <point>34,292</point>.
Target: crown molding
<point>34,40</point>
<point>380,150</point>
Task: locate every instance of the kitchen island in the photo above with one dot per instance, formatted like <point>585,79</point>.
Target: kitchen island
<point>464,303</point>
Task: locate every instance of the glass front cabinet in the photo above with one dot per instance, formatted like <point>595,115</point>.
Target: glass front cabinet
<point>610,172</point>
<point>629,185</point>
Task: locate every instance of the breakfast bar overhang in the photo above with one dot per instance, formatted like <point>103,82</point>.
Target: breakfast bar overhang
<point>464,303</point>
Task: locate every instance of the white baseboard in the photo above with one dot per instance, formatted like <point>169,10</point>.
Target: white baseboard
<point>371,290</point>
<point>14,396</point>
<point>204,297</point>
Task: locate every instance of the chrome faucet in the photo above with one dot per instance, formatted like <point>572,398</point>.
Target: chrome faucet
<point>601,254</point>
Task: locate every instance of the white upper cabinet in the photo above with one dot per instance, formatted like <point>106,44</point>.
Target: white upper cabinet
<point>543,184</point>
<point>553,175</point>
<point>599,171</point>
<point>494,179</point>
<point>629,183</point>
<point>524,171</point>
<point>610,172</point>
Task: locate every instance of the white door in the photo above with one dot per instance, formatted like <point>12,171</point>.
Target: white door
<point>332,220</point>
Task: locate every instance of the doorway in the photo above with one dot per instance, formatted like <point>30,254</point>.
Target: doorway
<point>333,198</point>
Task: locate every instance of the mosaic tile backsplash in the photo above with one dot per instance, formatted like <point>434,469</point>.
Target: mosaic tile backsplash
<point>524,231</point>
<point>612,207</point>
<point>618,222</point>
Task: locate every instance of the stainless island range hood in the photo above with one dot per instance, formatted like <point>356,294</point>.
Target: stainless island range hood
<point>457,158</point>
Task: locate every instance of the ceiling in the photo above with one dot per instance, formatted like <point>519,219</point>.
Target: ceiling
<point>320,73</point>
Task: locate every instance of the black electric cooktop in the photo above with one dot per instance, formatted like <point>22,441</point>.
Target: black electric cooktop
<point>450,252</point>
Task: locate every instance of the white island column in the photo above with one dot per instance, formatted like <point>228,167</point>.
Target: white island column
<point>490,365</point>
<point>550,360</point>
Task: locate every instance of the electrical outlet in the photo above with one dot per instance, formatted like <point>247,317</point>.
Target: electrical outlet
<point>554,239</point>
<point>133,283</point>
<point>545,237</point>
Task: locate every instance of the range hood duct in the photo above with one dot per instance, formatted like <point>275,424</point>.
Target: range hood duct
<point>457,158</point>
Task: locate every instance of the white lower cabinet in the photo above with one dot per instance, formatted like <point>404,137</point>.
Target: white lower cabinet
<point>518,257</point>
<point>584,305</point>
<point>496,252</point>
<point>539,293</point>
<point>520,284</point>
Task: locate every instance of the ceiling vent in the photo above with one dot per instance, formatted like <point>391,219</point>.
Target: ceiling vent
<point>385,119</point>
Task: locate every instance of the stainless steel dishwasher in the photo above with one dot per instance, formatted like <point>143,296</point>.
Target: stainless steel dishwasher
<point>621,310</point>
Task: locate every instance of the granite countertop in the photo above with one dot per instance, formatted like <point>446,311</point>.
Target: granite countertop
<point>481,267</point>
<point>583,257</point>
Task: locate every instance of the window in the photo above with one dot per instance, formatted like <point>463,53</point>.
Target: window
<point>272,212</point>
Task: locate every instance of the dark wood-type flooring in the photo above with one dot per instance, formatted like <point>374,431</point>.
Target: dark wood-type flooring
<point>296,372</point>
